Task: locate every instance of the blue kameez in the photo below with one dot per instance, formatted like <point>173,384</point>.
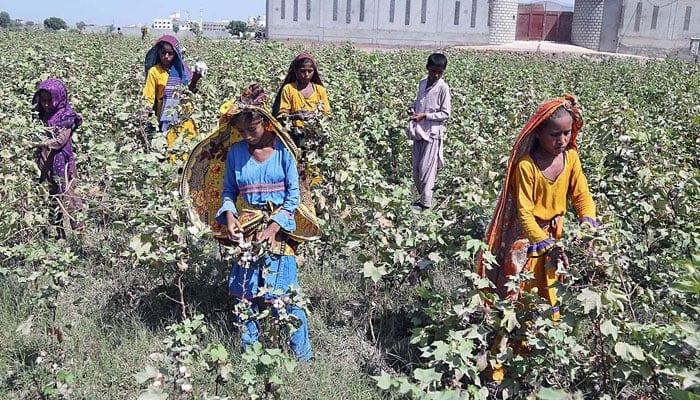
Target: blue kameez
<point>275,181</point>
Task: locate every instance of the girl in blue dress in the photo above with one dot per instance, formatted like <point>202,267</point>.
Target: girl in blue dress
<point>261,179</point>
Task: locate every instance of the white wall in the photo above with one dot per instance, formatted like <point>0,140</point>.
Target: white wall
<point>668,34</point>
<point>326,25</point>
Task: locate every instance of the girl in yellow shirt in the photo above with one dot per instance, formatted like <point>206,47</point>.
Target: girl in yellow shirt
<point>543,171</point>
<point>165,70</point>
<point>302,95</point>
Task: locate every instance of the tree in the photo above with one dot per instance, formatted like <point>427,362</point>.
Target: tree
<point>55,24</point>
<point>235,28</point>
<point>5,20</point>
<point>195,28</point>
<point>110,28</point>
<point>176,27</point>
<point>80,25</point>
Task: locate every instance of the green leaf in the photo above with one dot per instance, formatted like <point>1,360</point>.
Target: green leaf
<point>150,372</point>
<point>369,270</point>
<point>266,359</point>
<point>384,381</point>
<point>629,352</point>
<point>218,353</point>
<point>677,394</point>
<point>427,375</point>
<point>607,328</point>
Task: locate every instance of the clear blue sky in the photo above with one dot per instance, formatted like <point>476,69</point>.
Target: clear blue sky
<point>130,12</point>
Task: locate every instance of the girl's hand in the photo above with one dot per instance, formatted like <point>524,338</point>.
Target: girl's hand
<point>268,235</point>
<point>233,228</point>
<point>418,117</point>
<point>557,255</point>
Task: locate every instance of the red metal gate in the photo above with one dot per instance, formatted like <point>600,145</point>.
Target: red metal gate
<point>534,23</point>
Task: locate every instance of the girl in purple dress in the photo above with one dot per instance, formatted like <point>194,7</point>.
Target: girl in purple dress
<point>54,155</point>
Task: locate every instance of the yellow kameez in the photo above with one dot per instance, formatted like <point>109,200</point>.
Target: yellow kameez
<point>539,201</point>
<point>292,100</point>
<point>153,92</point>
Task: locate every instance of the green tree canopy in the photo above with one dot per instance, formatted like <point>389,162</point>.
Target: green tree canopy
<point>195,28</point>
<point>235,28</point>
<point>5,20</point>
<point>55,23</point>
<point>80,25</point>
<point>176,27</point>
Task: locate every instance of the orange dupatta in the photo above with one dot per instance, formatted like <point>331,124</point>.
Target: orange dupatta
<point>502,231</point>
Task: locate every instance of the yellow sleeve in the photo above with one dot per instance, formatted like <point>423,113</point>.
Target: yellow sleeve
<point>149,88</point>
<point>286,100</point>
<point>581,198</point>
<point>524,186</point>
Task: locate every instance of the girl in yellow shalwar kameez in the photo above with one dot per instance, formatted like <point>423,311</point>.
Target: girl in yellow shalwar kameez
<point>165,70</point>
<point>544,170</point>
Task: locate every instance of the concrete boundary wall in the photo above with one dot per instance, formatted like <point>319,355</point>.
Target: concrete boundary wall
<point>638,26</point>
<point>393,22</point>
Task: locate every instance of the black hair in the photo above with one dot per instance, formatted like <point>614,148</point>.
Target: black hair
<point>437,60</point>
<point>247,116</point>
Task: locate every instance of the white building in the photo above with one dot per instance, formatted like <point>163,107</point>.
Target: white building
<point>653,27</point>
<point>403,22</point>
<point>162,24</point>
<point>212,27</point>
<point>215,26</point>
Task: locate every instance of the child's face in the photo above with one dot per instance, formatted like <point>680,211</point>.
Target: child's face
<point>166,55</point>
<point>304,73</point>
<point>555,136</point>
<point>252,131</point>
<point>435,73</point>
<point>45,101</point>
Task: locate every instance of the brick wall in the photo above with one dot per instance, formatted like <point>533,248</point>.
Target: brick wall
<point>587,23</point>
<point>503,21</point>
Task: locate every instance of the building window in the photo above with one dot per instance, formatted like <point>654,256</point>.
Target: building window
<point>408,12</point>
<point>654,17</point>
<point>473,21</point>
<point>282,7</point>
<point>490,14</point>
<point>638,16</point>
<point>295,13</point>
<point>335,10</point>
<point>686,23</point>
<point>308,10</point>
<point>423,11</point>
<point>362,10</point>
<point>457,12</point>
<point>392,7</point>
<point>348,9</point>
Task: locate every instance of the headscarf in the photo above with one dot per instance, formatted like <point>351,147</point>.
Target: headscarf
<point>61,114</point>
<point>180,74</point>
<point>292,77</point>
<point>501,232</point>
<point>254,99</point>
